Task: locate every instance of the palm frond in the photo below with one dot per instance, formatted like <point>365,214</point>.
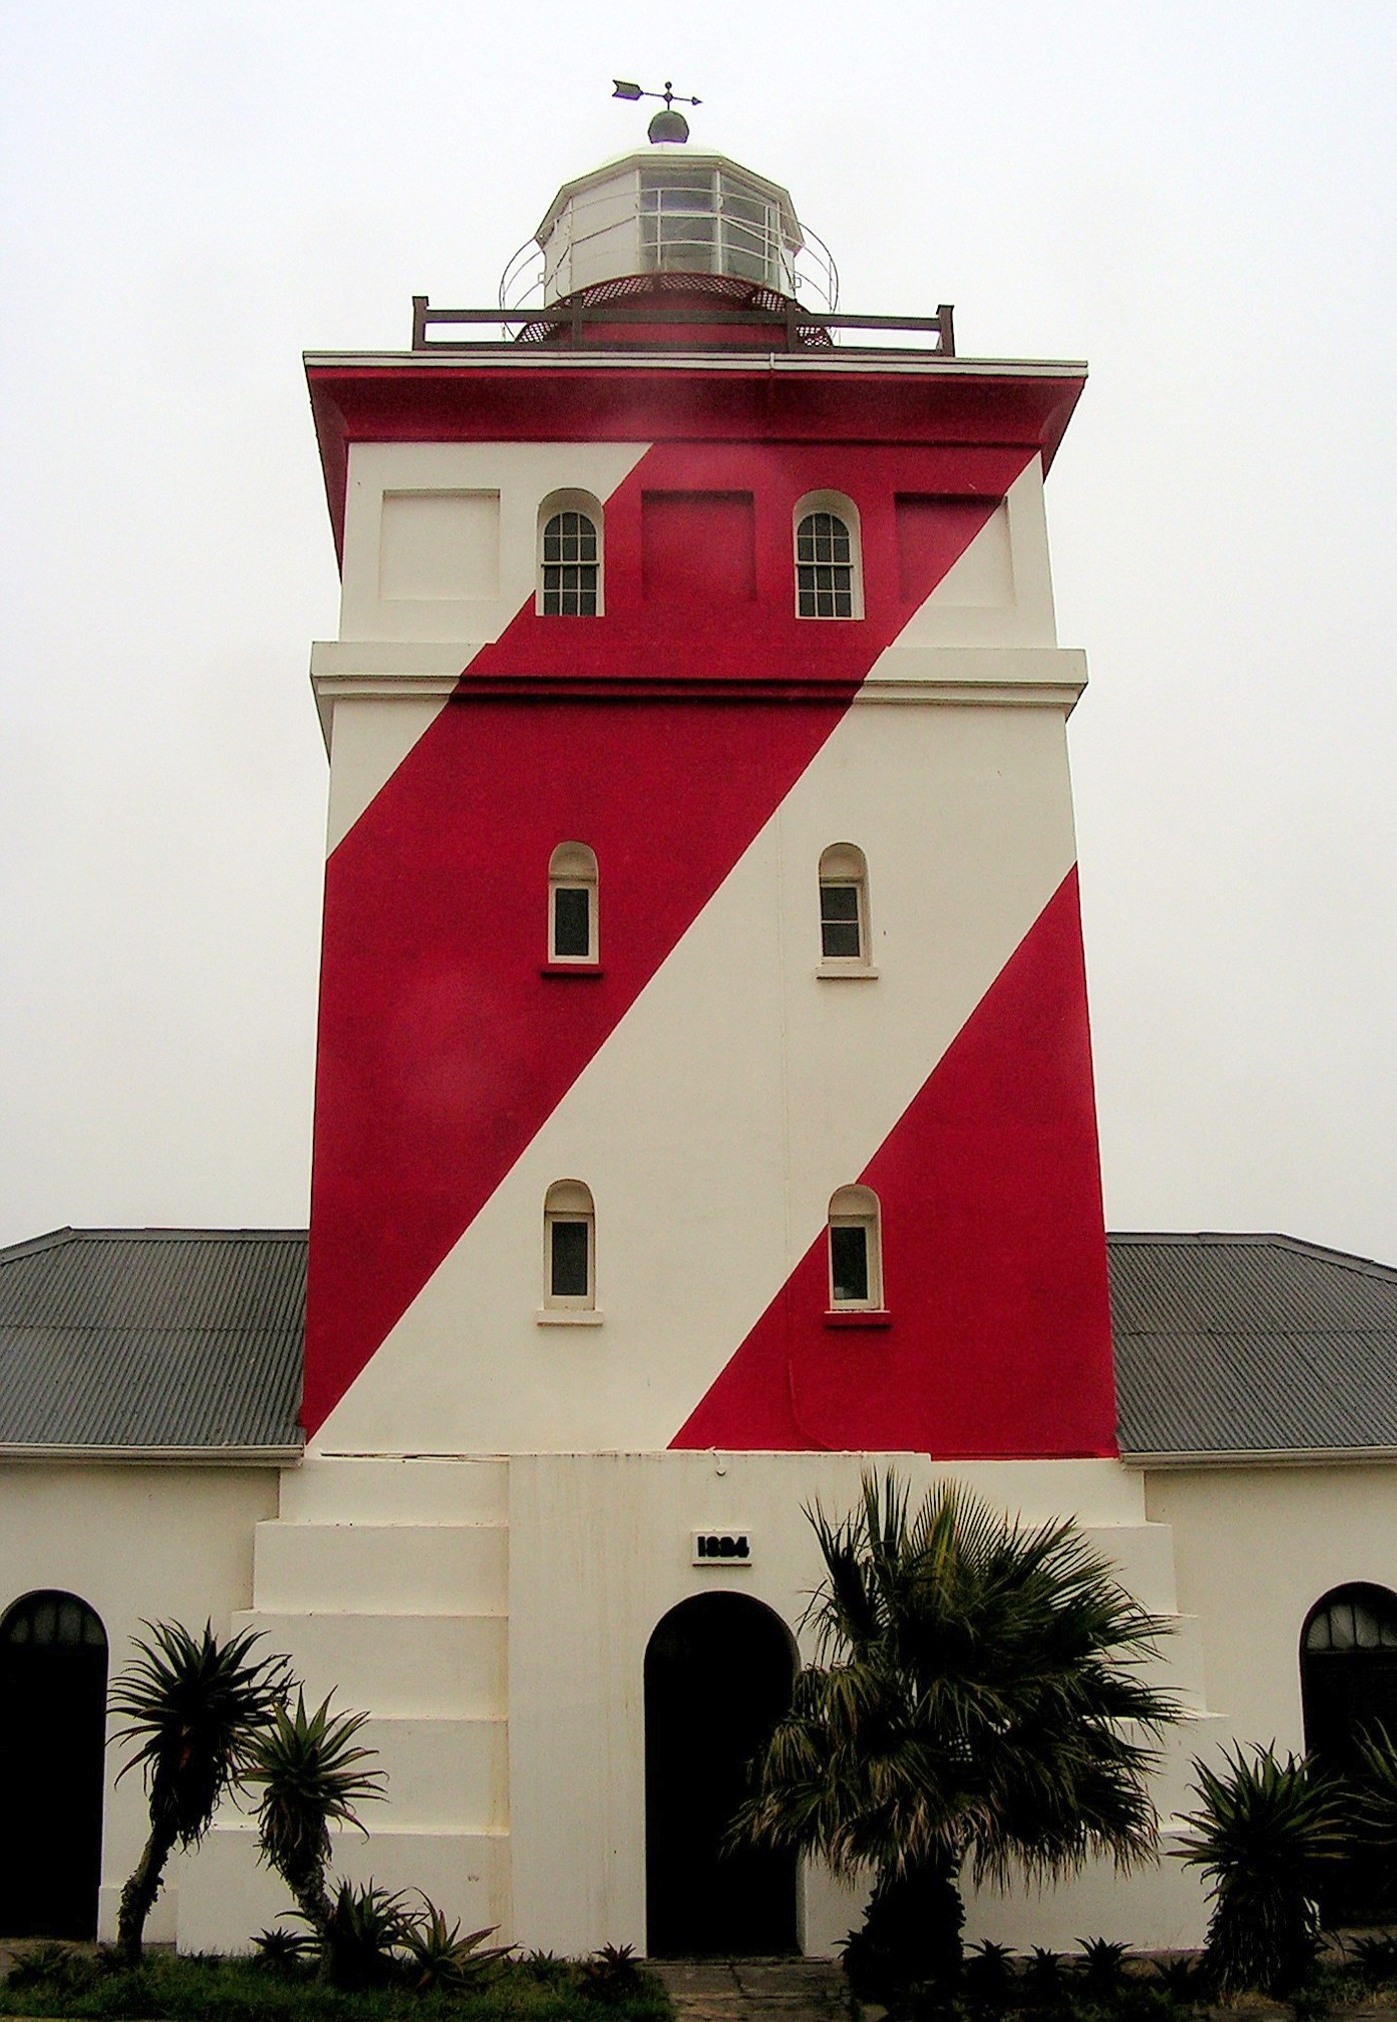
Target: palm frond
<point>977,1696</point>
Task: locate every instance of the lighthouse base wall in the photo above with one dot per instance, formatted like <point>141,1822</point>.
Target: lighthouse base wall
<point>601,1548</point>
<point>493,1617</point>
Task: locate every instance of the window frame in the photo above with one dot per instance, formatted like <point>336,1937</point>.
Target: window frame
<point>734,222</point>
<point>838,506</point>
<point>856,1207</point>
<point>844,867</point>
<point>551,508</point>
<point>569,1202</point>
<point>572,867</point>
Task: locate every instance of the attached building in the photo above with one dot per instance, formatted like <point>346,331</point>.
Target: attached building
<point>148,1382</point>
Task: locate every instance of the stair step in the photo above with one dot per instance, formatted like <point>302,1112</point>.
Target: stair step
<point>442,1775</point>
<point>373,1490</point>
<point>227,1895</point>
<point>376,1569</point>
<point>425,1667</point>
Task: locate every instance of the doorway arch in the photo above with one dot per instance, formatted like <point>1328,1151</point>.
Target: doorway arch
<point>1348,1684</point>
<point>719,1670</point>
<point>53,1731</point>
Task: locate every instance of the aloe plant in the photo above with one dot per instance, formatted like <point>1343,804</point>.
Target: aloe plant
<point>311,1775</point>
<point>437,1957</point>
<point>1266,1832</point>
<point>193,1704</point>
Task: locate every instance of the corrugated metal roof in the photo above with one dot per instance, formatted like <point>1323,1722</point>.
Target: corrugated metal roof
<point>1251,1345</point>
<point>190,1340</point>
<point>153,1339</point>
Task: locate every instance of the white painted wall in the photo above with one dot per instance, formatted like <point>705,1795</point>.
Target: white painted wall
<point>1256,1547</point>
<point>600,1551</point>
<point>440,538</point>
<point>736,1095</point>
<point>153,1543</point>
<point>413,616</point>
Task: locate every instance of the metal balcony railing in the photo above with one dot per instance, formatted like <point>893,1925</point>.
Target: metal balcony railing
<point>568,322</point>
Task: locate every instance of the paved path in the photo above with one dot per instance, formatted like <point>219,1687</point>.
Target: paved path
<point>755,1990</point>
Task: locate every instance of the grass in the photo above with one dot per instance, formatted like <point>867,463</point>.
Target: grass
<point>171,1988</point>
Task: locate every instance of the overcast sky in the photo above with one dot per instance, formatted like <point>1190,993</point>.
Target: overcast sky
<point>1198,199</point>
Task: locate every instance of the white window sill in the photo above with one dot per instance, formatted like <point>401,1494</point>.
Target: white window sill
<point>847,972</point>
<point>569,1316</point>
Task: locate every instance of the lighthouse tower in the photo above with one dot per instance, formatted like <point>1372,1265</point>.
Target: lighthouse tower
<point>704,1108</point>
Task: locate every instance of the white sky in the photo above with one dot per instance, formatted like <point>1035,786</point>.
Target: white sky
<point>1199,199</point>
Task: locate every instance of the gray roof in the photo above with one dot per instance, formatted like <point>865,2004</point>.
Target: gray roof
<point>171,1342</point>
<point>188,1343</point>
<point>1241,1346</point>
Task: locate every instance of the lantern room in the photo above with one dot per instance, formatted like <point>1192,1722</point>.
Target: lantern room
<point>694,213</point>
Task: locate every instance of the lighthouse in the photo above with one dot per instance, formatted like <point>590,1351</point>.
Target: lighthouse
<point>704,1107</point>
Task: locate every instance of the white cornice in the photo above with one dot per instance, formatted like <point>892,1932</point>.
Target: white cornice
<point>544,358</point>
<point>153,1456</point>
<point>1045,677</point>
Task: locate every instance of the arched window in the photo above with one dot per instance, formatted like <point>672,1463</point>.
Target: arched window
<point>855,1251</point>
<point>569,1247</point>
<point>1353,1618</point>
<point>844,937</point>
<point>1348,1687</point>
<point>570,556</point>
<point>53,1693</point>
<point>829,576</point>
<point>572,904</point>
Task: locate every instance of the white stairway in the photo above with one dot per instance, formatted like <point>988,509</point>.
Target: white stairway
<point>386,1583</point>
<point>1161,1905</point>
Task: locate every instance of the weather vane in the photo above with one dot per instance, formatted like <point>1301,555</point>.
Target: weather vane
<point>668,125</point>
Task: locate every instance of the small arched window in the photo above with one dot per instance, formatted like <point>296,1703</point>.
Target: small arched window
<point>855,1251</point>
<point>1353,1618</point>
<point>844,937</point>
<point>53,1621</point>
<point>570,556</point>
<point>829,579</point>
<point>569,1247</point>
<point>572,904</point>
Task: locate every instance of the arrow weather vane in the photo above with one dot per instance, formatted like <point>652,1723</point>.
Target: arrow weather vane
<point>624,90</point>
<point>668,125</point>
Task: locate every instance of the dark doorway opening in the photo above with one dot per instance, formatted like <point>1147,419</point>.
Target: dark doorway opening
<point>53,1726</point>
<point>1348,1686</point>
<point>718,1676</point>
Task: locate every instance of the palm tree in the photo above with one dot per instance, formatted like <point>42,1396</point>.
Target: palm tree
<point>976,1704</point>
<point>193,1704</point>
<point>309,1772</point>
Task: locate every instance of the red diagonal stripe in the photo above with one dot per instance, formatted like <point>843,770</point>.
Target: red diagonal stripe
<point>441,1048</point>
<point>994,1255</point>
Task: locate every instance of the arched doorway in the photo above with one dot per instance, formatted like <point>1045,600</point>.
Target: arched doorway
<point>53,1723</point>
<point>1348,1685</point>
<point>718,1676</point>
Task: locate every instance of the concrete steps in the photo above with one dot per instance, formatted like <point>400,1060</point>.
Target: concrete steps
<point>386,1582</point>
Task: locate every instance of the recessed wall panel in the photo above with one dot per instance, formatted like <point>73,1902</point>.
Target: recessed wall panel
<point>439,546</point>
